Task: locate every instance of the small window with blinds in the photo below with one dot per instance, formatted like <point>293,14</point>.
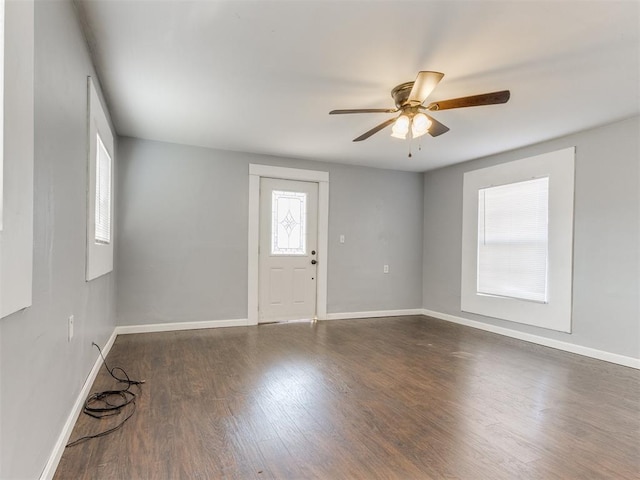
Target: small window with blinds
<point>100,188</point>
<point>103,193</point>
<point>513,242</point>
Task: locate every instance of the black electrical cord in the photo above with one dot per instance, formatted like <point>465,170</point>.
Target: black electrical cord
<point>109,402</point>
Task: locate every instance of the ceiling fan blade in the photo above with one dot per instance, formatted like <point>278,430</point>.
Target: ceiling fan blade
<point>364,110</point>
<point>436,127</point>
<point>472,101</point>
<point>423,86</point>
<point>376,129</point>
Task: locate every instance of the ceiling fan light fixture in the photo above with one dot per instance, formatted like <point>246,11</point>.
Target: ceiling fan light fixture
<point>410,98</point>
<point>420,125</point>
<point>401,127</point>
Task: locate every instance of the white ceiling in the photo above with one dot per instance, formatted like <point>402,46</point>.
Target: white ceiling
<point>261,76</point>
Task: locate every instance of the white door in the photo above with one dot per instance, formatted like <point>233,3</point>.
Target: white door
<point>288,250</point>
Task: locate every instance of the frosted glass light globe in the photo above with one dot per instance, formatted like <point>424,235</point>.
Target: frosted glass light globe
<point>400,127</point>
<point>420,125</point>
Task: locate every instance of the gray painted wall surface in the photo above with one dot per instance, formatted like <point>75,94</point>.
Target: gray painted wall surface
<point>183,226</point>
<point>183,240</point>
<point>41,373</point>
<point>606,304</point>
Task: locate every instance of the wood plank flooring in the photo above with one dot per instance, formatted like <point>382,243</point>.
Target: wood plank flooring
<point>391,398</point>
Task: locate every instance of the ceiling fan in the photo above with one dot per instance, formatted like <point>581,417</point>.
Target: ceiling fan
<point>409,98</point>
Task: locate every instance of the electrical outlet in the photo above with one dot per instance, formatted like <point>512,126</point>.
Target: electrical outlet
<point>70,328</point>
<point>341,238</point>
<point>385,269</point>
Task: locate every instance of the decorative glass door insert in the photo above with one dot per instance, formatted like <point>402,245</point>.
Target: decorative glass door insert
<point>289,219</point>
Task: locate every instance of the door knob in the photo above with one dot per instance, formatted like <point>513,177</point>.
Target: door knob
<point>313,252</point>
<point>313,262</point>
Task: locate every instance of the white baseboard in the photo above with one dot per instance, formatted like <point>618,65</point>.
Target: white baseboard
<point>63,438</point>
<point>54,459</point>
<point>374,314</point>
<point>169,327</point>
<point>547,342</point>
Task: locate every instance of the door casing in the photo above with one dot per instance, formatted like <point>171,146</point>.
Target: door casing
<point>257,171</point>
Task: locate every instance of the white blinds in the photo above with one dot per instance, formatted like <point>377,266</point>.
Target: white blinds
<point>103,193</point>
<point>513,240</point>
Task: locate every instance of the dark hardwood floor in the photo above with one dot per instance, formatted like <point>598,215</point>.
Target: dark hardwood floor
<point>392,398</point>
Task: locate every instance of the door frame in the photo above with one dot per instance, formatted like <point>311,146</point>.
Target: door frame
<point>257,171</point>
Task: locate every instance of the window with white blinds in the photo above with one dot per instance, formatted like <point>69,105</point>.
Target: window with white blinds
<point>100,189</point>
<point>103,193</point>
<point>517,240</point>
<point>513,222</point>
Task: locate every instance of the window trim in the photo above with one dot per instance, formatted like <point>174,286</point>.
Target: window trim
<point>16,236</point>
<point>556,314</point>
<point>2,44</point>
<point>99,254</point>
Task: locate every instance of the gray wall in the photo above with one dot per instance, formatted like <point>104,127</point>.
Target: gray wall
<point>182,245</point>
<point>606,224</point>
<point>183,226</point>
<point>41,373</point>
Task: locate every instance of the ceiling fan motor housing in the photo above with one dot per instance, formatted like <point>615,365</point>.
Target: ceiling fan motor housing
<point>400,94</point>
